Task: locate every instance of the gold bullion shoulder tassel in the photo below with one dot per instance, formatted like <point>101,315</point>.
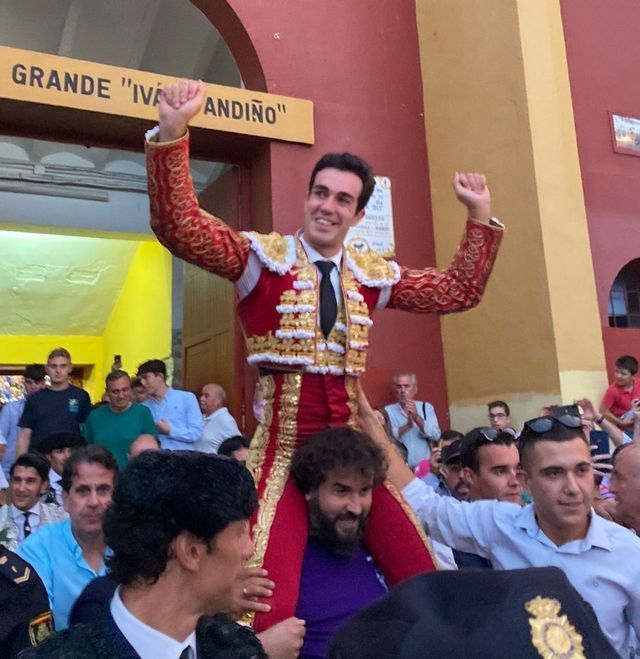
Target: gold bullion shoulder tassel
<point>553,636</point>
<point>371,269</point>
<point>276,252</point>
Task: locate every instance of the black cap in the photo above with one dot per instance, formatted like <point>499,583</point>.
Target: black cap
<point>452,452</point>
<point>476,614</point>
<point>55,440</point>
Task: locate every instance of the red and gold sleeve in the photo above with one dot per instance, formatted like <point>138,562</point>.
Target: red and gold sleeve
<point>180,224</point>
<point>458,287</point>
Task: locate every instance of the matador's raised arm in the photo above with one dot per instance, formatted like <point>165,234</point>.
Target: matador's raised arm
<point>461,285</point>
<point>178,221</point>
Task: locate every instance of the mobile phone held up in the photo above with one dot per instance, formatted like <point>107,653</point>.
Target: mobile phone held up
<point>600,440</point>
<point>565,410</point>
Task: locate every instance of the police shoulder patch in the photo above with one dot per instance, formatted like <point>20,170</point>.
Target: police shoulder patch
<point>40,628</point>
<point>14,568</point>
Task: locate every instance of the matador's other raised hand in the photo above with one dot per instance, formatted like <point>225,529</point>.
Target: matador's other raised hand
<point>472,191</point>
<point>179,104</point>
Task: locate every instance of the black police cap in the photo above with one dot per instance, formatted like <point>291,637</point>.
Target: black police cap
<point>482,614</point>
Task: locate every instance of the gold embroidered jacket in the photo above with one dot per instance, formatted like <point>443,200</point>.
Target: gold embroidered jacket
<point>279,316</point>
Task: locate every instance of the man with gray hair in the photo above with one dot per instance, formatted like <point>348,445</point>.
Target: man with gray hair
<point>625,484</point>
<point>412,422</point>
<point>217,422</point>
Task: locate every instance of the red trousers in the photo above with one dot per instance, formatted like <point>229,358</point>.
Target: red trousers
<point>297,406</point>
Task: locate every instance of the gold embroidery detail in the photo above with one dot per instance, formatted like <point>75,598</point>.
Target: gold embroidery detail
<point>260,440</point>
<point>356,358</point>
<point>552,635</point>
<point>351,387</point>
<point>40,628</point>
<point>304,272</point>
<point>408,511</point>
<point>458,287</point>
<point>279,472</point>
<point>307,296</point>
<point>280,347</point>
<point>300,336</point>
<point>273,245</point>
<point>373,266</point>
<point>188,231</point>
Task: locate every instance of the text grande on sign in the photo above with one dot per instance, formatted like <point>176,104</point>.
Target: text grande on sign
<point>74,83</point>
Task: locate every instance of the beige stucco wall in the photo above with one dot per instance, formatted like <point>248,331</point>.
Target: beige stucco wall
<point>497,100</point>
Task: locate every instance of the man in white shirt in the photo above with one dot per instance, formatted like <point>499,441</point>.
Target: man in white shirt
<point>414,423</point>
<point>28,479</point>
<point>217,422</point>
<point>559,528</point>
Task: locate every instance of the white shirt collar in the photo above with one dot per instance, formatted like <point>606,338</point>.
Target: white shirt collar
<point>208,417</point>
<point>314,255</point>
<point>18,514</point>
<point>596,533</point>
<point>148,642</point>
<point>54,477</point>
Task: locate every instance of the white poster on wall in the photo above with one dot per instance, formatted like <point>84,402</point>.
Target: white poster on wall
<point>375,230</point>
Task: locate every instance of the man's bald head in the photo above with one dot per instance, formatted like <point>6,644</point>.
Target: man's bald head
<point>143,443</point>
<point>212,398</point>
<point>625,484</point>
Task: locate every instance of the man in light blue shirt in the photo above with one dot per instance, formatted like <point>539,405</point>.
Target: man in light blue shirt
<point>68,555</point>
<point>11,413</point>
<point>600,558</point>
<point>176,413</point>
<point>413,422</point>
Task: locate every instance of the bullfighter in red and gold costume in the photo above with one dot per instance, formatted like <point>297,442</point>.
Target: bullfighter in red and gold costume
<point>308,371</point>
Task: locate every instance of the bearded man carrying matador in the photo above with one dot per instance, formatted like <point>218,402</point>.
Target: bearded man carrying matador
<point>305,303</point>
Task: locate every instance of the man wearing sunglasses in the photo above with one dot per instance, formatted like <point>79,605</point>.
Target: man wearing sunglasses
<point>559,528</point>
<point>491,464</point>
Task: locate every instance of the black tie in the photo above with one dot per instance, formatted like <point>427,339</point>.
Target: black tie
<point>328,303</point>
<point>27,526</point>
<point>185,654</point>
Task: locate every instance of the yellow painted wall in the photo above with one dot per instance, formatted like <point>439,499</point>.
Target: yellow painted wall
<point>562,212</point>
<point>497,100</point>
<point>53,284</point>
<point>139,327</point>
<point>85,351</point>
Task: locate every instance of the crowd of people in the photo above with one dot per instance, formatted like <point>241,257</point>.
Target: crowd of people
<point>497,497</point>
<point>133,528</point>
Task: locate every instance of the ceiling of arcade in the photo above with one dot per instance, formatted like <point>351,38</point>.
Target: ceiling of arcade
<point>79,187</point>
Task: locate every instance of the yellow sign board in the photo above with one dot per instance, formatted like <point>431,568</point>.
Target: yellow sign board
<point>41,78</point>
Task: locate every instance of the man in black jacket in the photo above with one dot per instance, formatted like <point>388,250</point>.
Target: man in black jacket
<point>179,531</point>
<point>26,619</point>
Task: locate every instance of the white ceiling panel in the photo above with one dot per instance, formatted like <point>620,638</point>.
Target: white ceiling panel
<point>171,37</point>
